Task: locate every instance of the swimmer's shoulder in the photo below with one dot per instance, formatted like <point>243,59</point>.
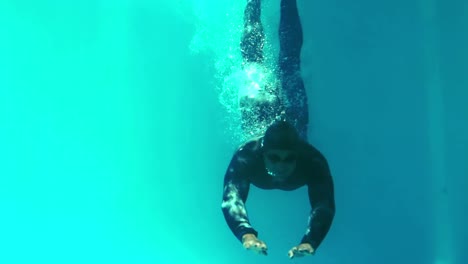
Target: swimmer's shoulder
<point>312,154</point>
<point>250,148</point>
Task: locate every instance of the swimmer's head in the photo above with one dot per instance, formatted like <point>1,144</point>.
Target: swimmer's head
<point>279,146</point>
<point>280,135</point>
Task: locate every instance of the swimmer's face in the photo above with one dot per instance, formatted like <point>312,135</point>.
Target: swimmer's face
<point>280,163</point>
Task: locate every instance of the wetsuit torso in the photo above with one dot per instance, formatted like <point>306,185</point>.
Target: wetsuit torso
<point>247,167</point>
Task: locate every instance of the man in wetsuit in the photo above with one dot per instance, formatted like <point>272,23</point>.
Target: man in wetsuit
<point>281,158</point>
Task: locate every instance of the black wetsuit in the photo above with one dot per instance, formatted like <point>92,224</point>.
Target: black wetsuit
<point>247,167</point>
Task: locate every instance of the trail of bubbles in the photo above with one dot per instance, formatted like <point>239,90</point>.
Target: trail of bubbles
<point>218,31</point>
<point>219,25</point>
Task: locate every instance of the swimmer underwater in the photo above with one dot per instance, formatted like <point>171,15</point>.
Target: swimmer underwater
<point>281,158</point>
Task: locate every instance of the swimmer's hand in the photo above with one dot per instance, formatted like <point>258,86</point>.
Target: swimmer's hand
<point>251,242</point>
<point>304,249</point>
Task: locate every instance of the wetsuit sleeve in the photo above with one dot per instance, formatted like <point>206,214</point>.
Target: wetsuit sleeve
<point>321,197</point>
<point>236,189</point>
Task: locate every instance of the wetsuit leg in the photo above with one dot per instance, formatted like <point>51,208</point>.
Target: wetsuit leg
<point>293,90</point>
<point>253,36</point>
<point>259,110</point>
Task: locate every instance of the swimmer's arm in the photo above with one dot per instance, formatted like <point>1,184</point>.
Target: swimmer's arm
<point>236,188</point>
<point>321,197</point>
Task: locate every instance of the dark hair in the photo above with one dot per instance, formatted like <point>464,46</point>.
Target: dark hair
<point>280,135</point>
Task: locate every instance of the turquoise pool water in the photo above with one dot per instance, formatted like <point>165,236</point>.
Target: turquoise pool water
<point>118,120</point>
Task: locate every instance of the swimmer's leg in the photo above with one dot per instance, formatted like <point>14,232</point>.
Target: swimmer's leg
<point>293,90</point>
<point>252,108</point>
<point>253,36</point>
